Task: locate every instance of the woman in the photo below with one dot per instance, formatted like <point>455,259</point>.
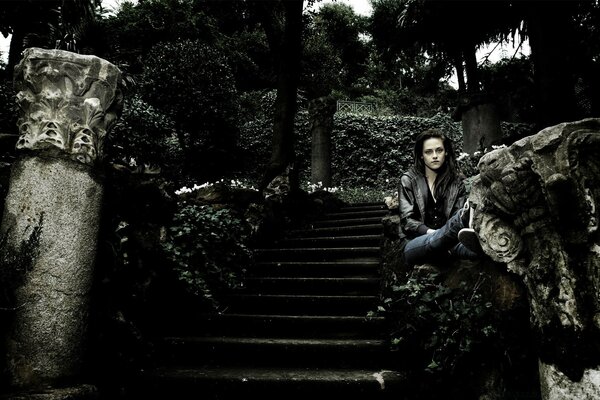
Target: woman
<point>432,204</point>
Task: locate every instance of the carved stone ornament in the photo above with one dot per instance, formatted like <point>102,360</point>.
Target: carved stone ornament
<point>536,205</point>
<point>67,101</point>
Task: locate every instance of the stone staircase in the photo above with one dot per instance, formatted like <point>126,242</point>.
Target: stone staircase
<point>298,328</point>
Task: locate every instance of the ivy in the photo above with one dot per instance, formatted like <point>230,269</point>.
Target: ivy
<point>369,151</point>
<point>442,328</point>
<point>8,108</point>
<point>145,136</point>
<point>208,249</point>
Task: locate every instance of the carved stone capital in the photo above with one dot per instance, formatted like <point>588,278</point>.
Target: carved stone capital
<point>68,102</point>
<point>536,211</point>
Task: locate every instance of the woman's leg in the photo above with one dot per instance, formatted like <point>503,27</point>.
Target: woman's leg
<point>431,247</point>
<point>462,251</point>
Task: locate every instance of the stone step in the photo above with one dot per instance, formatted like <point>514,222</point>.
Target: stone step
<point>267,383</point>
<point>349,230</point>
<point>345,222</point>
<point>331,241</point>
<point>316,253</point>
<point>75,391</point>
<point>366,204</point>
<point>353,214</point>
<point>364,207</point>
<point>273,351</point>
<point>301,304</point>
<point>313,285</point>
<point>296,326</point>
<point>367,268</point>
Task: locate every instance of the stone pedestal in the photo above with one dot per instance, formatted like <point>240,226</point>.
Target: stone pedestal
<point>68,102</point>
<point>321,112</point>
<point>481,127</point>
<point>480,121</point>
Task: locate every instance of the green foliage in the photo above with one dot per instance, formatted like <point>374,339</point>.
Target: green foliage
<point>511,83</point>
<point>513,131</point>
<point>447,326</point>
<point>257,105</point>
<point>364,195</point>
<point>468,163</point>
<point>371,150</point>
<point>136,28</point>
<point>208,248</point>
<point>367,150</point>
<point>407,102</point>
<point>340,28</point>
<point>144,135</point>
<point>321,65</point>
<point>8,108</point>
<point>254,148</point>
<point>450,330</point>
<point>193,83</point>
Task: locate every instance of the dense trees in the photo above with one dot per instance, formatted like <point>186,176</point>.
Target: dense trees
<point>198,92</point>
<point>51,23</point>
<point>343,30</point>
<point>193,59</point>
<point>282,22</point>
<point>450,32</point>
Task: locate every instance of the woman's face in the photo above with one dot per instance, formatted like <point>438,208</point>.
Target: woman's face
<point>434,153</point>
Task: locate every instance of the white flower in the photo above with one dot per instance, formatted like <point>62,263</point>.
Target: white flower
<point>462,156</point>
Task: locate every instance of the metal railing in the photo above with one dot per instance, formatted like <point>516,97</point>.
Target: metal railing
<point>355,107</point>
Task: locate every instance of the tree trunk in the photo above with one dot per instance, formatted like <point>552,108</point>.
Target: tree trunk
<point>460,74</point>
<point>479,115</point>
<point>470,57</point>
<point>481,126</point>
<point>16,48</point>
<point>286,52</point>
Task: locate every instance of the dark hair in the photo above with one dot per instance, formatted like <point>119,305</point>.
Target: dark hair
<point>448,172</point>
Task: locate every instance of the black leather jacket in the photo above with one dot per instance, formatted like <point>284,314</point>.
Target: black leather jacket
<point>412,196</point>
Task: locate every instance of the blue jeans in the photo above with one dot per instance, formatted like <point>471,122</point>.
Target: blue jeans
<point>439,245</point>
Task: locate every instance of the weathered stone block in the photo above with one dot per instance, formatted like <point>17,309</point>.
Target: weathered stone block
<point>536,211</point>
<point>60,198</point>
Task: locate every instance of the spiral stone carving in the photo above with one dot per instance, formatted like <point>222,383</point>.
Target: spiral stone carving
<point>538,213</point>
<point>499,240</point>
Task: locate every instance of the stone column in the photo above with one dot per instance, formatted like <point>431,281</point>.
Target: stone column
<point>67,102</point>
<point>321,112</point>
<point>537,210</point>
<point>480,123</point>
